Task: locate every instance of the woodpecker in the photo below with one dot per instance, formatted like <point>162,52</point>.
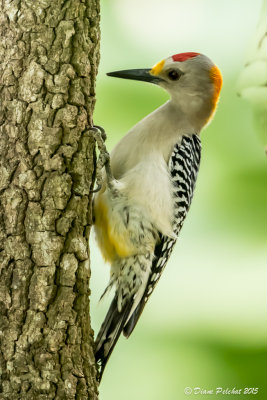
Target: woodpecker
<point>148,189</point>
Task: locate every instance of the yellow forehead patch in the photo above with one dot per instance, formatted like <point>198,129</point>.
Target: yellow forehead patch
<point>157,68</point>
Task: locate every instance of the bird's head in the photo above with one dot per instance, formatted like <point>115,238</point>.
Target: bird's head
<point>192,79</point>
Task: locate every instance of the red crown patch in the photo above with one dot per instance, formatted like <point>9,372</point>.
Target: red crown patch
<point>184,56</point>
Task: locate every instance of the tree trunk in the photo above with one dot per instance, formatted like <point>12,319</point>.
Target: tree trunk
<point>49,52</point>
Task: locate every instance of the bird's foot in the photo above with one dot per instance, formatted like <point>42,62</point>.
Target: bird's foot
<point>103,158</point>
<point>101,131</point>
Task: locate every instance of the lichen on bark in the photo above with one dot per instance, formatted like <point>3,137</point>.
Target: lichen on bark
<point>49,53</point>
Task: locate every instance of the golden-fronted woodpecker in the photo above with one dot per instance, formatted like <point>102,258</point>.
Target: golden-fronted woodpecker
<point>142,206</point>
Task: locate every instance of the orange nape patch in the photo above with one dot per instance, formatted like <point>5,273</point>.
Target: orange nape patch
<point>113,240</point>
<point>157,68</point>
<point>216,77</point>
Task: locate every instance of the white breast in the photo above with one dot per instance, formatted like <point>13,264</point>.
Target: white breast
<point>140,162</point>
<point>148,185</point>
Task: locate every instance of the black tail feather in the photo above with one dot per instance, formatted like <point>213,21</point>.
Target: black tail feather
<point>110,332</point>
<point>129,327</point>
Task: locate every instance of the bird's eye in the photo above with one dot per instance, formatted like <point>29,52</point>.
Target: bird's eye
<point>174,75</point>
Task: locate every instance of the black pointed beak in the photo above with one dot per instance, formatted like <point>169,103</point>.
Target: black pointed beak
<point>137,75</point>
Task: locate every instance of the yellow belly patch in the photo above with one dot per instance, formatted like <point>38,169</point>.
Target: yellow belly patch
<point>112,236</point>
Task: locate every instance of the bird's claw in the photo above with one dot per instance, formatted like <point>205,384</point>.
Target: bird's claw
<point>103,134</point>
<point>103,159</point>
<point>99,186</point>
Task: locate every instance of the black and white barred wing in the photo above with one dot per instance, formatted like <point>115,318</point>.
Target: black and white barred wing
<point>183,166</point>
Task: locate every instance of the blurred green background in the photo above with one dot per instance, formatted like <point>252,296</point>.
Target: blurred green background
<point>205,325</point>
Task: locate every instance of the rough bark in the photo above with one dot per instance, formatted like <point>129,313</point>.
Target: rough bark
<point>49,52</point>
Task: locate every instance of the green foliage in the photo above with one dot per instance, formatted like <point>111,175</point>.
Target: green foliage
<point>213,287</point>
